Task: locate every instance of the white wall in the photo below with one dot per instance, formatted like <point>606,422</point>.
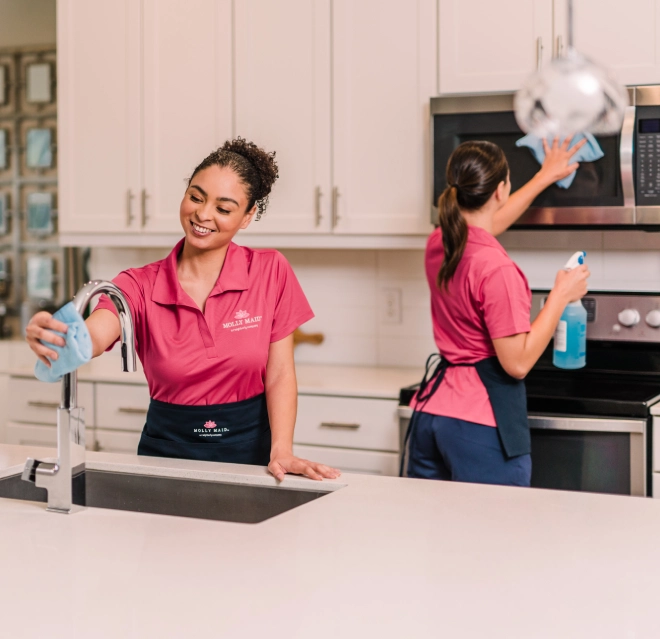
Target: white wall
<point>345,287</point>
<point>27,22</point>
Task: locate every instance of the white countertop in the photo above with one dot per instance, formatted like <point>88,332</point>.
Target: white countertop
<point>313,379</point>
<point>379,557</point>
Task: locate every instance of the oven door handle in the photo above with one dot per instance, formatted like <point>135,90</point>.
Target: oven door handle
<point>591,424</point>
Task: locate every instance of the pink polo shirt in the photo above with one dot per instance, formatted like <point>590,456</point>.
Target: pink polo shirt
<point>487,298</point>
<point>218,356</point>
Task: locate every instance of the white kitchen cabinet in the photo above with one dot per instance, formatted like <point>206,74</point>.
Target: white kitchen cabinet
<point>283,103</point>
<point>21,434</point>
<point>112,441</point>
<point>36,402</point>
<point>350,422</point>
<point>492,46</point>
<point>187,99</point>
<point>383,78</point>
<point>98,94</point>
<point>347,88</point>
<point>354,434</point>
<point>122,406</point>
<point>138,110</point>
<point>25,434</point>
<point>351,461</point>
<point>621,35</point>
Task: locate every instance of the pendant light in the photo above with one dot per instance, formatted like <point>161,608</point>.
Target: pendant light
<point>572,94</point>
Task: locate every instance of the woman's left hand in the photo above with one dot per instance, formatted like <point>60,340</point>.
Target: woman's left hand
<point>280,466</point>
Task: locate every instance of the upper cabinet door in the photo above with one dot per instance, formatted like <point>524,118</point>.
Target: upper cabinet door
<point>623,36</point>
<point>384,74</point>
<point>98,115</point>
<point>187,99</point>
<point>282,102</point>
<point>492,46</point>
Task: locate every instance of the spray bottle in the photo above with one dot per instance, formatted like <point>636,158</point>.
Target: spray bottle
<point>571,335</point>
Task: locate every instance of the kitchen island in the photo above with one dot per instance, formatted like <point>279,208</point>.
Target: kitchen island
<point>376,557</point>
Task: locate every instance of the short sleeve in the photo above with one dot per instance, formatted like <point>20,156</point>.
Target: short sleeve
<point>134,295</point>
<point>506,302</point>
<point>291,306</point>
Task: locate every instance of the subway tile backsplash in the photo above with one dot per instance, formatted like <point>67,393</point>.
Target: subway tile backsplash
<point>349,289</point>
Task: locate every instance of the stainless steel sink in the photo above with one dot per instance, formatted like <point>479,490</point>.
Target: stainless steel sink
<point>171,496</point>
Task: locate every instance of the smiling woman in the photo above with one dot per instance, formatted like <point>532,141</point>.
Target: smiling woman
<point>214,327</point>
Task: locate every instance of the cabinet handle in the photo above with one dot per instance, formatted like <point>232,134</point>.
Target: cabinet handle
<point>129,207</point>
<point>340,425</point>
<point>132,411</point>
<point>560,47</point>
<point>318,194</point>
<point>44,404</point>
<point>335,206</point>
<point>539,53</point>
<point>143,206</point>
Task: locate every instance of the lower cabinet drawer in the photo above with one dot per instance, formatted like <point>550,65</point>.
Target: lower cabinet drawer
<point>39,435</point>
<point>110,441</point>
<point>121,406</point>
<point>351,422</point>
<point>365,462</point>
<point>32,401</point>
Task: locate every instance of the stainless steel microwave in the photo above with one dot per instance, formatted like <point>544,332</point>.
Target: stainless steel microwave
<point>621,190</point>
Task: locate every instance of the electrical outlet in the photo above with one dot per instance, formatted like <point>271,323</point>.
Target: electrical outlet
<point>391,309</point>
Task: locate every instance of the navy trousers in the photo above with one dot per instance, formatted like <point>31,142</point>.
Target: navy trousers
<point>457,450</point>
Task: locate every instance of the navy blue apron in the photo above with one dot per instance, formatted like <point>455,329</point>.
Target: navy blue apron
<point>237,432</point>
<point>507,396</point>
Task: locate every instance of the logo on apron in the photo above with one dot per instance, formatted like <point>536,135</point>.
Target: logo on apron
<point>210,430</point>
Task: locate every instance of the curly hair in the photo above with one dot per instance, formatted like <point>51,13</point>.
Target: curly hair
<point>256,169</point>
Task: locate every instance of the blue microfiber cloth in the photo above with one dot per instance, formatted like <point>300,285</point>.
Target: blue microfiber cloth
<point>590,152</point>
<point>76,352</point>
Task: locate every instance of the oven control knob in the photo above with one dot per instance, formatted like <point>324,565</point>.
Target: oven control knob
<point>653,318</point>
<point>629,317</point>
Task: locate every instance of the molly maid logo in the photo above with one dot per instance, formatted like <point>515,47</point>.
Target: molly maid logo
<point>210,430</point>
<point>242,321</point>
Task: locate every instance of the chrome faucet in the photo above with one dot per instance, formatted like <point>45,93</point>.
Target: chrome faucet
<point>56,475</point>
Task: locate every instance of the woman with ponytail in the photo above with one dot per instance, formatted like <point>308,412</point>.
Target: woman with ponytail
<point>470,417</point>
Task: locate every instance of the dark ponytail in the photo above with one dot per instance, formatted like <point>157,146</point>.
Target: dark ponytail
<point>474,171</point>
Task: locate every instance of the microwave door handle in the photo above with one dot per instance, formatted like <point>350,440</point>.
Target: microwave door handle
<point>626,157</point>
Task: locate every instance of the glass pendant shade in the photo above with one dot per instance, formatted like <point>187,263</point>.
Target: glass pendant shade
<point>570,95</point>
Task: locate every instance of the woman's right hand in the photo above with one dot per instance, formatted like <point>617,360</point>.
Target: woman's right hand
<point>39,328</point>
<point>572,285</point>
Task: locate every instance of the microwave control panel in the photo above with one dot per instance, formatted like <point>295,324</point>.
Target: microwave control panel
<point>647,156</point>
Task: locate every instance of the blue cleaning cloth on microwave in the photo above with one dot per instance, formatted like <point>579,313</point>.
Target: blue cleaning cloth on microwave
<point>590,152</point>
<point>76,352</point>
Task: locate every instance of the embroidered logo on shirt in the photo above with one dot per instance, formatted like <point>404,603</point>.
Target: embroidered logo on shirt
<point>242,321</point>
<point>210,425</point>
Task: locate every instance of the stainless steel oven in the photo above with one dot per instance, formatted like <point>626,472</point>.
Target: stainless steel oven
<point>591,427</point>
<point>620,190</point>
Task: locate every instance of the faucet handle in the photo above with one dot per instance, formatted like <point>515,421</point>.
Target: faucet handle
<point>30,470</point>
<point>34,467</point>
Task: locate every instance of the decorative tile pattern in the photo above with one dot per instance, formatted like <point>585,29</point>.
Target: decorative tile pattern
<point>39,148</point>
<point>40,213</point>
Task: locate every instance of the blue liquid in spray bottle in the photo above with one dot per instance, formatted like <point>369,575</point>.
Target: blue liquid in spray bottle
<point>570,346</point>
